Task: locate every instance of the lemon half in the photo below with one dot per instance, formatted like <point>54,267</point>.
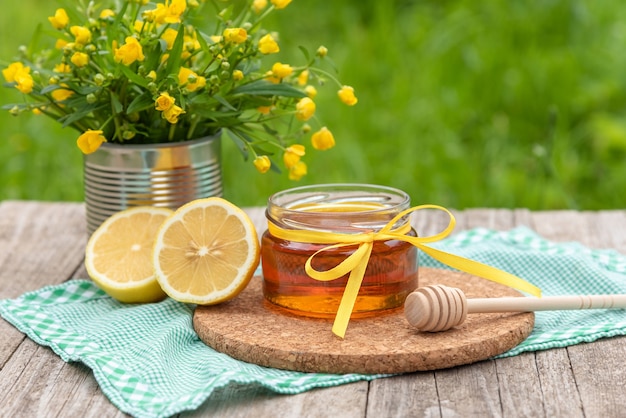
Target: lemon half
<point>206,252</point>
<point>118,256</point>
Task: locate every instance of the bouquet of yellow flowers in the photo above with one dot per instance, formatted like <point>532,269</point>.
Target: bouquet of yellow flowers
<point>140,72</point>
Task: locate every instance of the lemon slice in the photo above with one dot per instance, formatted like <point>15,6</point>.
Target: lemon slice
<point>206,252</point>
<point>118,256</point>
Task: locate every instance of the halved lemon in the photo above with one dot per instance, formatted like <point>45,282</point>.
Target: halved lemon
<point>118,256</point>
<point>206,252</point>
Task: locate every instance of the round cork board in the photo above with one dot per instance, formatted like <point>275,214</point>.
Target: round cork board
<point>251,329</point>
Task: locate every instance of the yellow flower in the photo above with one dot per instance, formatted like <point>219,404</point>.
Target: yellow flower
<point>80,59</point>
<point>235,35</point>
<point>259,5</point>
<point>175,9</point>
<point>303,77</point>
<point>82,35</point>
<point>310,91</point>
<point>237,75</point>
<point>152,75</point>
<point>190,79</point>
<point>173,113</point>
<point>60,43</point>
<point>62,68</point>
<point>346,94</point>
<point>267,45</point>
<point>164,102</point>
<point>166,13</point>
<point>297,171</point>
<point>264,110</point>
<point>13,68</point>
<point>61,94</point>
<point>305,109</point>
<point>60,19</point>
<point>281,71</point>
<point>24,81</point>
<point>138,26</point>
<point>130,52</point>
<point>90,141</point>
<point>262,163</point>
<point>323,139</point>
<point>106,13</point>
<point>169,36</point>
<point>280,4</point>
<point>293,154</point>
<point>20,75</point>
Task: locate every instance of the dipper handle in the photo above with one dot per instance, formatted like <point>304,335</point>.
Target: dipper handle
<point>439,308</point>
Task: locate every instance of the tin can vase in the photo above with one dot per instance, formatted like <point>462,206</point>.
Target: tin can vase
<point>118,176</point>
<point>392,271</point>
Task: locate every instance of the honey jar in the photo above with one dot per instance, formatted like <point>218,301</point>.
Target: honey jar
<point>336,210</point>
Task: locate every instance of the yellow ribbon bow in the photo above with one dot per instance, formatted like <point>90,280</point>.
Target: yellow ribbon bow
<point>356,263</point>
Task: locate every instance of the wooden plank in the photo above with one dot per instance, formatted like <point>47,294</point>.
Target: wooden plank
<point>561,396</point>
<point>245,401</point>
<point>469,391</point>
<point>43,244</point>
<point>409,395</point>
<point>36,382</point>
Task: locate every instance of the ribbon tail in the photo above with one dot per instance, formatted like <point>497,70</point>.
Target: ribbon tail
<point>482,270</point>
<point>350,293</point>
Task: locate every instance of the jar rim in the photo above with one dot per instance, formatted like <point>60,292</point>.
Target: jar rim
<point>295,207</point>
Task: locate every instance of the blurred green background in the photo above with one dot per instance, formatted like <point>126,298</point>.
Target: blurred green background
<point>461,103</point>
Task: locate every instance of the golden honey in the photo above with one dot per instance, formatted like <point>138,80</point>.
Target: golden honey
<point>392,271</point>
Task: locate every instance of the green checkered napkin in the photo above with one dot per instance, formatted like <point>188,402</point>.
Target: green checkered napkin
<point>149,362</point>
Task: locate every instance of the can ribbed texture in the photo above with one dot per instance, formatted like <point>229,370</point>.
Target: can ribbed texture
<point>163,175</point>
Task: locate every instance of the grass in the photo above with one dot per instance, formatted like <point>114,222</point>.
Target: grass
<point>461,103</point>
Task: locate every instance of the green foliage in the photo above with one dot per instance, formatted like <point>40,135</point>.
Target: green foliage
<point>461,103</point>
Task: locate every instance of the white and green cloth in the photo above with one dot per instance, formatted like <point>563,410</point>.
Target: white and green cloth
<point>149,362</point>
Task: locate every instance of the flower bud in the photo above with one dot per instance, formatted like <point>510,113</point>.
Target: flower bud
<point>98,79</point>
<point>128,134</point>
<point>225,65</point>
<point>91,48</point>
<point>91,98</point>
<point>14,111</point>
<point>53,80</point>
<point>322,51</point>
<point>247,26</point>
<point>152,87</point>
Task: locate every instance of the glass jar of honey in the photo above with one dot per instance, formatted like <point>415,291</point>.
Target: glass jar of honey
<point>392,270</point>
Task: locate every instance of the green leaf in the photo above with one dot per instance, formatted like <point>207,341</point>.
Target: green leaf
<point>116,104</point>
<point>141,102</point>
<point>134,77</point>
<point>174,59</point>
<point>305,52</point>
<point>265,88</point>
<point>224,102</point>
<point>234,136</point>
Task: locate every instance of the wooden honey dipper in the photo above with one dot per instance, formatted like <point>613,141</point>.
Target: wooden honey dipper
<point>439,308</point>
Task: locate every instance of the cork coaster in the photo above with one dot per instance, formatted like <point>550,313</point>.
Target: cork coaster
<point>250,329</point>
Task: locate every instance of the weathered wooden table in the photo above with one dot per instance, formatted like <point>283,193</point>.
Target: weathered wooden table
<point>43,243</point>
